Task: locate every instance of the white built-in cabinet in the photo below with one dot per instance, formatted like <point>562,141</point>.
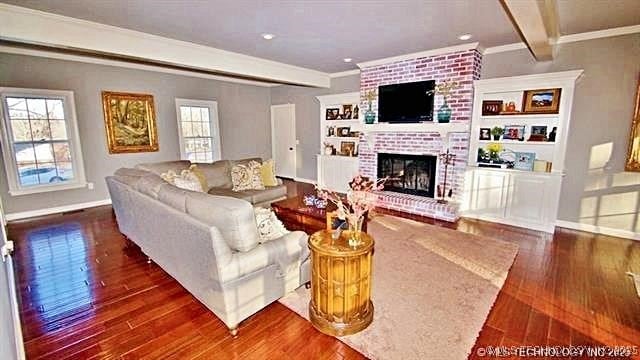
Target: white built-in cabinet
<point>522,198</point>
<point>335,171</point>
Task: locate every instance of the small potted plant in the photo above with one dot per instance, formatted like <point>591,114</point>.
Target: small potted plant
<point>445,89</point>
<point>494,150</point>
<point>497,131</point>
<point>370,115</point>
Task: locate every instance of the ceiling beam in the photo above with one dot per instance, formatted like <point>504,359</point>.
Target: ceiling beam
<point>38,28</point>
<point>537,23</point>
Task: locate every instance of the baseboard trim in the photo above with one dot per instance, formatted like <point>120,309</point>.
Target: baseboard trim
<point>55,210</point>
<point>598,229</point>
<point>308,181</point>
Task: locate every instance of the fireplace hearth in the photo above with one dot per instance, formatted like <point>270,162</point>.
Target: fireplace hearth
<point>408,174</point>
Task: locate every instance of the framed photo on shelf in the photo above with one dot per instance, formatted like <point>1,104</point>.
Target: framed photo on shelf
<point>348,148</point>
<point>538,133</point>
<point>542,101</point>
<point>347,112</point>
<point>485,134</point>
<point>343,131</point>
<point>332,114</point>
<point>513,132</point>
<point>524,161</point>
<point>491,107</point>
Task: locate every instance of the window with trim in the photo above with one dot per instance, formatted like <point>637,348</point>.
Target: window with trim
<point>198,130</point>
<point>41,147</point>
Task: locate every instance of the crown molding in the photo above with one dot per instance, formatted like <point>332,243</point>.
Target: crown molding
<point>125,64</point>
<point>427,53</point>
<point>32,27</point>
<point>344,73</point>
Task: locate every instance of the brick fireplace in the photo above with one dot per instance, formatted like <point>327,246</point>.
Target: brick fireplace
<point>462,67</point>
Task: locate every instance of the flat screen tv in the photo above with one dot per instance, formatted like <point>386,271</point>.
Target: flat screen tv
<point>406,103</point>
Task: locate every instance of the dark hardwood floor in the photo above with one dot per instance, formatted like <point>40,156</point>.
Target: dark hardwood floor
<point>86,293</point>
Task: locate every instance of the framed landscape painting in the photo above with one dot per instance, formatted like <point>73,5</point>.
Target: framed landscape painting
<point>633,150</point>
<point>130,122</point>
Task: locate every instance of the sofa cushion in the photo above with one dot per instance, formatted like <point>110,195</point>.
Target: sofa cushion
<point>173,196</point>
<point>131,172</point>
<point>234,218</point>
<point>234,194</point>
<point>150,185</point>
<point>253,196</point>
<point>245,161</point>
<point>218,174</point>
<point>268,194</point>
<point>162,167</point>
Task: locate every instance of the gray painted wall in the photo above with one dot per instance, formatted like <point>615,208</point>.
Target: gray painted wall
<point>596,190</point>
<point>308,117</point>
<point>243,113</point>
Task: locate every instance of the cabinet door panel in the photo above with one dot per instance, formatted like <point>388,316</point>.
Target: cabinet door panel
<point>488,193</point>
<point>527,199</point>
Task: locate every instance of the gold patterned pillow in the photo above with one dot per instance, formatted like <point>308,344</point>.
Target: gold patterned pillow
<point>247,176</point>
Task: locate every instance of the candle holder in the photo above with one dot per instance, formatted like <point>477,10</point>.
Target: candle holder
<point>446,159</point>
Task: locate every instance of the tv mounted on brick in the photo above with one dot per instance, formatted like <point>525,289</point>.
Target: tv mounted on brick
<point>406,103</point>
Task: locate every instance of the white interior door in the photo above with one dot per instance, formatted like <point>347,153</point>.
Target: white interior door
<point>11,346</point>
<point>283,139</point>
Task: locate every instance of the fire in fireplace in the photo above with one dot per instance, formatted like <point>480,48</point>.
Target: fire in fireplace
<point>409,174</point>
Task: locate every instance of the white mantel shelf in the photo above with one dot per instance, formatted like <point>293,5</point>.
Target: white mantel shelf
<point>442,128</point>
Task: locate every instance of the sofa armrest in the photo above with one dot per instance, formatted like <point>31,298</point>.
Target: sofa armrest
<point>279,181</point>
<point>288,250</point>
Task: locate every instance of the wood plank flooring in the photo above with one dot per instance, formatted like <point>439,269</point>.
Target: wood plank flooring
<point>86,293</point>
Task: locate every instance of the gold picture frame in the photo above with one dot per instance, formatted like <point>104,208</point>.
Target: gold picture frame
<point>633,149</point>
<point>541,101</point>
<point>130,122</point>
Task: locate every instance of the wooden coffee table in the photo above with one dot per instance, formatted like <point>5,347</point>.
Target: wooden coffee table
<point>297,216</point>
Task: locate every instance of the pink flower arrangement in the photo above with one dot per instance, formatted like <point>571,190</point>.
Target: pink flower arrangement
<point>359,200</point>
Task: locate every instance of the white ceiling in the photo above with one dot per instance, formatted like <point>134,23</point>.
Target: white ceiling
<point>318,34</point>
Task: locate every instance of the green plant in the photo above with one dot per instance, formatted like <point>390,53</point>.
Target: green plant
<point>445,89</point>
<point>497,131</point>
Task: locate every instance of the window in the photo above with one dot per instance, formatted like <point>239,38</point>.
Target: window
<point>43,148</point>
<point>198,129</point>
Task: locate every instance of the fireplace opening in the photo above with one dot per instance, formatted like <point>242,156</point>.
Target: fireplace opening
<point>409,174</point>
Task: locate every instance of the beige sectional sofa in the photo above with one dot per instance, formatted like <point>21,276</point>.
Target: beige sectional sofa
<point>208,243</point>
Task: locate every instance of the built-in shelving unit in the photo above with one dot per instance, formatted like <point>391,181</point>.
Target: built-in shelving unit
<point>513,196</point>
<point>337,169</point>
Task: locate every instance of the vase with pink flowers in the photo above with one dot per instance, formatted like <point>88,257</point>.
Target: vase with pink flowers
<point>353,207</point>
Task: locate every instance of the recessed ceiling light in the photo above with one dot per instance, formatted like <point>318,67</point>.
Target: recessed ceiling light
<point>347,59</point>
<point>268,36</point>
<point>465,37</point>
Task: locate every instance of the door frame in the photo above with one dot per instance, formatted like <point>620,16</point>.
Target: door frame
<point>295,145</point>
<point>6,247</point>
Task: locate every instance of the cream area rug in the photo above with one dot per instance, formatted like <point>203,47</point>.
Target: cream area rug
<point>432,290</point>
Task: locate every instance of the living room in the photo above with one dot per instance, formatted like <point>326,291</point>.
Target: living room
<point>418,179</point>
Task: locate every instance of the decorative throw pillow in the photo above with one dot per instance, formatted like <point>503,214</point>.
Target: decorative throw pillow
<point>269,227</point>
<point>169,176</point>
<point>268,173</point>
<point>246,177</point>
<point>200,175</point>
<point>186,180</point>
